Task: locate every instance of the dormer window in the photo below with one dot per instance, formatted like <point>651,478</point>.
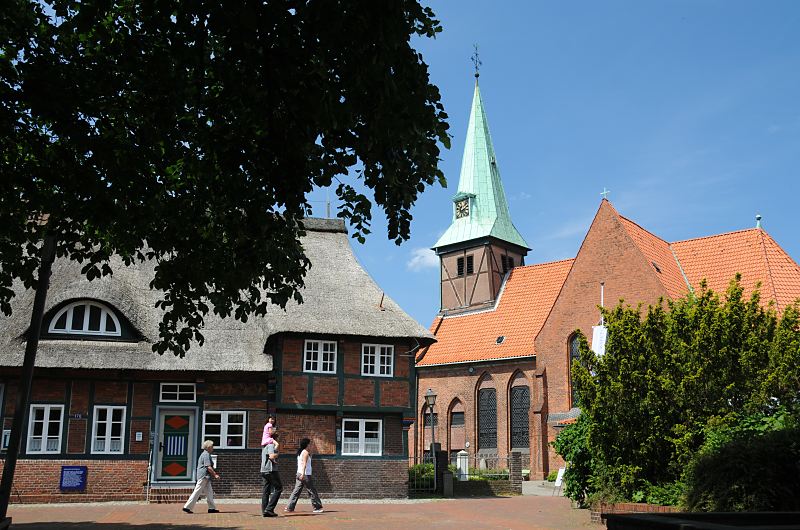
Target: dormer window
<point>85,318</point>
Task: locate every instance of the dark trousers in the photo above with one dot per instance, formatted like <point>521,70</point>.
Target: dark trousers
<point>271,489</point>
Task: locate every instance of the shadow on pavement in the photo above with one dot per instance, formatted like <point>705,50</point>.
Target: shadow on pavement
<point>91,525</point>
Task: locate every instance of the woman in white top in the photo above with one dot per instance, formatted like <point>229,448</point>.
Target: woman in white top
<point>303,479</point>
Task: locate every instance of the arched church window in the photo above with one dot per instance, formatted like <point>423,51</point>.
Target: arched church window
<point>574,356</point>
<point>487,418</point>
<point>85,318</point>
<point>520,419</point>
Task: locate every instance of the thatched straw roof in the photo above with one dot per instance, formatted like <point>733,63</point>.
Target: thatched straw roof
<point>340,299</point>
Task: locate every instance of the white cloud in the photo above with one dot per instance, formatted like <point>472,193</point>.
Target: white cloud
<point>521,196</point>
<point>421,259</point>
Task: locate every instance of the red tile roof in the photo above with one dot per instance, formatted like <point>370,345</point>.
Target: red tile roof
<point>753,253</point>
<point>659,255</point>
<point>518,315</point>
<point>717,259</point>
<point>531,291</point>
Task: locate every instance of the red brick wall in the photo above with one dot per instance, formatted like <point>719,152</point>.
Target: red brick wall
<point>608,255</point>
<point>79,400</point>
<point>367,478</point>
<point>236,389</point>
<point>111,392</point>
<point>326,390</point>
<point>359,391</point>
<point>10,398</point>
<point>106,480</point>
<point>48,390</point>
<point>352,357</point>
<point>293,354</point>
<point>294,389</point>
<point>143,447</point>
<point>142,399</point>
<point>78,431</point>
<point>394,394</point>
<point>456,382</point>
<point>393,436</point>
<point>320,428</point>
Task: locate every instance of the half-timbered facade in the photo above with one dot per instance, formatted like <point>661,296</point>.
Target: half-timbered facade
<point>338,369</point>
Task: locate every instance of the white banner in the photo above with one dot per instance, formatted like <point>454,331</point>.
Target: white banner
<point>599,335</point>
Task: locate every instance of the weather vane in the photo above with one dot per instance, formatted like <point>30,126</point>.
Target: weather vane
<point>476,61</point>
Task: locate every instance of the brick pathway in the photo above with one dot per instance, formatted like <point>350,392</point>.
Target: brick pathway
<point>528,513</point>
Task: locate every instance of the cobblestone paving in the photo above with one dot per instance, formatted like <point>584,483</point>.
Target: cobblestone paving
<point>529,512</point>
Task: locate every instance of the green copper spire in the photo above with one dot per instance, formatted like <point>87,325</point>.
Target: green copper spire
<point>480,207</point>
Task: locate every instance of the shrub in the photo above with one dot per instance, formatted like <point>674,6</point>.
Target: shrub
<point>748,473</point>
<point>572,445</point>
<point>669,494</point>
<point>488,474</point>
<point>552,476</point>
<point>419,473</point>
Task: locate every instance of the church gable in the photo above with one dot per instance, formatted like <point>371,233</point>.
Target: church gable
<point>608,255</point>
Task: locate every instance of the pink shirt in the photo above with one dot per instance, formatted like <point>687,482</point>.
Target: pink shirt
<point>266,436</point>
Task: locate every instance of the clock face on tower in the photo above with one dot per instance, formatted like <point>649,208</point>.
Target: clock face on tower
<point>462,208</point>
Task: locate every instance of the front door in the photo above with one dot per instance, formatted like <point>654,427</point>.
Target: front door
<point>176,451</point>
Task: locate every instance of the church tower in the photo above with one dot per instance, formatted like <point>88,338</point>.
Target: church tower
<point>481,245</point>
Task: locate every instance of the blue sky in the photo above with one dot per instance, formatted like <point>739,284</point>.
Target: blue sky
<point>688,111</point>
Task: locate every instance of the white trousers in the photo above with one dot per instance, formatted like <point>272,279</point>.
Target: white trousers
<point>203,487</point>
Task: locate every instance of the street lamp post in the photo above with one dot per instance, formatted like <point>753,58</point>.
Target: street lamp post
<point>430,401</point>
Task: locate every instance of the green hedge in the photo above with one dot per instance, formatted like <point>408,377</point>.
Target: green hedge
<point>749,473</point>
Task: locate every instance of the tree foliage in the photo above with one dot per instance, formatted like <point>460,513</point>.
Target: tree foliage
<point>190,133</point>
<point>680,383</point>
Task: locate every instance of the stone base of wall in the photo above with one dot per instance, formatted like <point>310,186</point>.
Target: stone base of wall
<point>485,488</point>
<point>37,481</point>
<point>599,512</point>
<point>334,477</point>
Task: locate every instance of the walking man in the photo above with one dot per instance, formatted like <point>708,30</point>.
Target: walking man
<point>271,486</point>
<point>205,470</point>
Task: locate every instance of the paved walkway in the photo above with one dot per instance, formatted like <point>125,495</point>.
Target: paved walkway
<point>528,512</point>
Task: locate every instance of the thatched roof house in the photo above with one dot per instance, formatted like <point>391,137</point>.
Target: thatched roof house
<point>340,298</point>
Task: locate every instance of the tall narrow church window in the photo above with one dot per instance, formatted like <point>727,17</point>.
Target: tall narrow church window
<point>460,267</point>
<point>470,265</point>
<point>487,418</point>
<point>574,355</point>
<point>520,424</point>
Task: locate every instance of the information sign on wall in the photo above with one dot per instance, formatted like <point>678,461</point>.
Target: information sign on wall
<point>73,478</point>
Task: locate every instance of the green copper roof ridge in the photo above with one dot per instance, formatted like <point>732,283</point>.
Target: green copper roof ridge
<point>480,178</point>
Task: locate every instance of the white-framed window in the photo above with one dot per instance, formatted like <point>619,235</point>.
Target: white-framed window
<point>377,359</point>
<point>225,428</point>
<point>86,318</point>
<point>362,437</point>
<point>44,428</point>
<point>319,356</point>
<point>108,430</point>
<point>179,392</point>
